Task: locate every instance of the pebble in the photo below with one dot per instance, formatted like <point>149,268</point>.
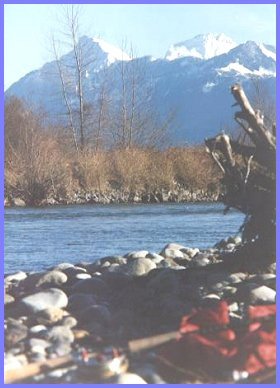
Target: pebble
<point>61,348</point>
<point>37,357</point>
<point>211,296</point>
<point>37,329</point>
<point>14,362</point>
<point>80,334</point>
<point>81,276</point>
<point>14,332</point>
<point>62,266</point>
<point>128,378</point>
<point>52,297</point>
<point>8,299</point>
<point>38,342</point>
<point>60,334</point>
<point>49,315</point>
<point>69,321</point>
<point>230,247</point>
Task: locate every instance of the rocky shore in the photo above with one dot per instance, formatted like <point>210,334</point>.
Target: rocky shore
<point>118,298</point>
<point>119,196</point>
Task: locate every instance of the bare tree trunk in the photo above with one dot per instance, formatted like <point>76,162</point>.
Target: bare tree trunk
<point>64,94</point>
<point>132,108</point>
<point>73,20</point>
<point>124,105</point>
<point>100,118</point>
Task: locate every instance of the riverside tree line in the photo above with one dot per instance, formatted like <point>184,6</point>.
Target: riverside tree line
<point>41,162</point>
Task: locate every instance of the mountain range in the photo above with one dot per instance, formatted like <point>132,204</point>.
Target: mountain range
<point>191,83</point>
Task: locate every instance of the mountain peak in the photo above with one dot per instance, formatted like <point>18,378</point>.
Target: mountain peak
<point>112,53</point>
<point>202,46</point>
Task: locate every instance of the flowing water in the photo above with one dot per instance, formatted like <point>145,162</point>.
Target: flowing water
<point>37,238</point>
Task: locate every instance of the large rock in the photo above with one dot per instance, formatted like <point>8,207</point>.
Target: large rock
<point>262,294</point>
<point>137,255</point>
<point>80,301</point>
<point>15,277</point>
<point>164,281</point>
<point>52,278</point>
<point>95,313</point>
<point>72,272</point>
<point>155,257</point>
<point>138,267</point>
<point>116,280</point>
<point>94,286</point>
<point>173,251</point>
<point>62,266</point>
<point>254,294</point>
<point>190,252</point>
<point>52,297</point>
<point>113,260</point>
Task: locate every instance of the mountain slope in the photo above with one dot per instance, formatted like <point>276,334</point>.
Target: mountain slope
<point>192,82</point>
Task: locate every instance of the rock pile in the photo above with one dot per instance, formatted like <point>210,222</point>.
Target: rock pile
<point>116,299</point>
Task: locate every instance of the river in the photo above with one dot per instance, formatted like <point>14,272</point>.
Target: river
<point>37,238</point>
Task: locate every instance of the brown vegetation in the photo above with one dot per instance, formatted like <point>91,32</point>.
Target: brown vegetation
<point>39,164</point>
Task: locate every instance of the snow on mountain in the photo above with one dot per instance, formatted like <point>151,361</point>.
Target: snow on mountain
<point>201,46</point>
<point>205,68</point>
<point>265,50</point>
<point>114,53</point>
<point>242,70</point>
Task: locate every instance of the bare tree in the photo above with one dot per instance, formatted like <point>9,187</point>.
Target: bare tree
<point>65,94</point>
<point>135,120</point>
<point>72,73</point>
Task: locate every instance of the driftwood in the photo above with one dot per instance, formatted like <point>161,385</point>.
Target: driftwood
<point>249,169</point>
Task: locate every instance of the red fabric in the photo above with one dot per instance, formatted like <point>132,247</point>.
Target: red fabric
<point>251,349</point>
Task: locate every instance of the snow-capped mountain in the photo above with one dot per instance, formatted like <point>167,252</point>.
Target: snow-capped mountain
<point>201,46</point>
<point>102,52</point>
<point>192,81</point>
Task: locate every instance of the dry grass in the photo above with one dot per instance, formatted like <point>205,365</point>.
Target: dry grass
<point>40,163</point>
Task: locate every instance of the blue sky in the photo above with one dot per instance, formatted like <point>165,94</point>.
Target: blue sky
<point>150,28</point>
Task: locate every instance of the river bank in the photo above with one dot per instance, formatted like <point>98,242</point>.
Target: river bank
<point>178,195</point>
<point>118,298</point>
